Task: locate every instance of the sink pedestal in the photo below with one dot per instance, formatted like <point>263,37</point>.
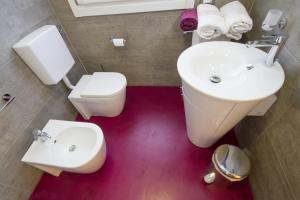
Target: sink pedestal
<point>208,119</point>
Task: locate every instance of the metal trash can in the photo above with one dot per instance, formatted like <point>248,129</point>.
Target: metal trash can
<point>229,164</point>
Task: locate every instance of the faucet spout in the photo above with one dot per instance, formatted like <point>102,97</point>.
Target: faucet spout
<point>275,43</point>
<point>274,24</point>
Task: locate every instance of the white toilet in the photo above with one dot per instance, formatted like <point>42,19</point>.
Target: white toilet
<point>100,94</point>
<point>77,147</point>
<point>45,52</point>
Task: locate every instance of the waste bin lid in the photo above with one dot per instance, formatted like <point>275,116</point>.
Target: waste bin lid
<point>232,161</point>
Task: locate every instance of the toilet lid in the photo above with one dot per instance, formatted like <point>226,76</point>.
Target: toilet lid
<point>104,84</point>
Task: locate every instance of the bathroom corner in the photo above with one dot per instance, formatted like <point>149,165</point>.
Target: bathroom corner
<point>134,97</point>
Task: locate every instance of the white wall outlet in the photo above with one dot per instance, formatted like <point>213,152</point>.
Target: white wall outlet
<point>208,1</point>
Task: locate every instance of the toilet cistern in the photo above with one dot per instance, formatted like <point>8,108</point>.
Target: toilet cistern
<point>273,24</point>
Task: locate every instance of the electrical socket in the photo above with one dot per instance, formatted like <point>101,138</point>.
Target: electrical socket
<point>208,1</point>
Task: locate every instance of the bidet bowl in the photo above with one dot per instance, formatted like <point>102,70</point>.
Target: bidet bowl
<point>79,149</point>
<point>74,146</point>
<point>222,82</point>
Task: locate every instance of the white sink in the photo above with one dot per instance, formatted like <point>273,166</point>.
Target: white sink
<point>222,81</point>
<point>229,61</point>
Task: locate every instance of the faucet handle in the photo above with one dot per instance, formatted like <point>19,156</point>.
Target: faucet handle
<point>36,133</point>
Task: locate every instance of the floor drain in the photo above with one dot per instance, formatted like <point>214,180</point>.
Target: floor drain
<point>215,79</point>
<point>72,148</point>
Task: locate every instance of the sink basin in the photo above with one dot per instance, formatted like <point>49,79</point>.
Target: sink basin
<point>222,81</point>
<point>243,75</point>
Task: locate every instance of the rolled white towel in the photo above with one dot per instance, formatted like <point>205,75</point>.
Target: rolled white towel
<point>211,24</point>
<point>237,19</point>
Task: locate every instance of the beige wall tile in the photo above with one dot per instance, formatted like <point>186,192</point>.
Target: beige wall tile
<point>34,104</point>
<point>9,193</point>
<point>266,173</point>
<point>285,140</point>
<point>280,127</point>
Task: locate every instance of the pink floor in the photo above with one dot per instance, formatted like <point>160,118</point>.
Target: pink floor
<point>149,157</point>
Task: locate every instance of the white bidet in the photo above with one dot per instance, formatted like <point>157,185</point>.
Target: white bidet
<point>73,146</point>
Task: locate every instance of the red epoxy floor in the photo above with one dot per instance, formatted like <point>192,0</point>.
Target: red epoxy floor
<point>149,157</point>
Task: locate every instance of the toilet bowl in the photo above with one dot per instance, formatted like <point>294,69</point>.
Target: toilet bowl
<point>100,94</point>
<point>73,147</point>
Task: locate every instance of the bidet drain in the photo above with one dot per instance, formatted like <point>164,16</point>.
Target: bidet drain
<point>249,67</point>
<point>72,148</point>
<point>215,79</point>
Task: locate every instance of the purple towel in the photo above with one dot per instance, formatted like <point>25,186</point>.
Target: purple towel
<point>189,20</point>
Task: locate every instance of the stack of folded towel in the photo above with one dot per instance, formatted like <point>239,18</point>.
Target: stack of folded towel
<point>237,19</point>
<point>211,24</point>
<point>232,20</point>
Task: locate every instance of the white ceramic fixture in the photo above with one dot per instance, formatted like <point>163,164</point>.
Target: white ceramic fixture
<point>100,94</point>
<point>221,83</point>
<point>74,147</point>
<point>45,52</point>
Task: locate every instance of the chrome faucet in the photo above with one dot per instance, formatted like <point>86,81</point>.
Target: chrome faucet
<point>37,133</point>
<point>275,42</point>
<point>273,24</point>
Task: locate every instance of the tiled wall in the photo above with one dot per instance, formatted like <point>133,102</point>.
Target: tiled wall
<point>154,42</point>
<point>35,103</point>
<point>274,140</point>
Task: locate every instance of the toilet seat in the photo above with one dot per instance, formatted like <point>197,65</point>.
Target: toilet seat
<point>104,84</point>
<point>99,85</point>
<point>100,94</point>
